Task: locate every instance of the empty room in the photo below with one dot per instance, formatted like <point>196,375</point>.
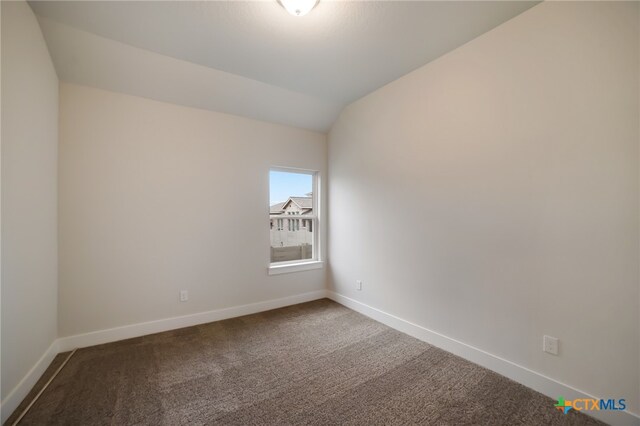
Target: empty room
<point>320,212</point>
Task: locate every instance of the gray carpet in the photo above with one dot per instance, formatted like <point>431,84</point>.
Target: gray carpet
<point>314,363</point>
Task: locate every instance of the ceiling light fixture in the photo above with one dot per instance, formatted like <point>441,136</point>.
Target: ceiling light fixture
<point>298,7</point>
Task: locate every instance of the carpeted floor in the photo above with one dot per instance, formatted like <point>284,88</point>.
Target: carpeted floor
<point>314,363</point>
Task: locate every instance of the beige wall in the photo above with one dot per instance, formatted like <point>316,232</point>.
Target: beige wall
<point>149,195</point>
<point>510,167</point>
<point>29,194</point>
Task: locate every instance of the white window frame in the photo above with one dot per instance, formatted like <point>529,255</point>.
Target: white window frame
<point>316,261</point>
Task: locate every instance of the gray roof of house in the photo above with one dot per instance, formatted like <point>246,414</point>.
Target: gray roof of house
<point>276,208</point>
<point>303,202</point>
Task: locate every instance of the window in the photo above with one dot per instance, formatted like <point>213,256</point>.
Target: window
<point>293,198</point>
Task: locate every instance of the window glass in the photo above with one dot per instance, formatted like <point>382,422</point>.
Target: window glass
<point>292,200</point>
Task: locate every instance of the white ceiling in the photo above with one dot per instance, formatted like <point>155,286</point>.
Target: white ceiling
<point>254,59</point>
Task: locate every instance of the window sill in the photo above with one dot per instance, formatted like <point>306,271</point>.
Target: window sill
<point>295,267</point>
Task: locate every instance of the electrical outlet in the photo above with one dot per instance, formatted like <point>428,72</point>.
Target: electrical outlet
<point>184,295</point>
<point>550,345</point>
<point>358,285</point>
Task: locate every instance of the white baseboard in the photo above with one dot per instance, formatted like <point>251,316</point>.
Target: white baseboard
<point>64,344</point>
<point>545,385</point>
<point>17,394</point>
<point>518,373</point>
<point>158,326</point>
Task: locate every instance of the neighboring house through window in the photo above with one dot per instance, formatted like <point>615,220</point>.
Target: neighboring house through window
<point>292,215</point>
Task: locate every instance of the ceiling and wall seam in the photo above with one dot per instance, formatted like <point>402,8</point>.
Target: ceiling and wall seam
<point>252,59</point>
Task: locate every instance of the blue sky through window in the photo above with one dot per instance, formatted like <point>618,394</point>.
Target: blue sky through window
<point>282,185</point>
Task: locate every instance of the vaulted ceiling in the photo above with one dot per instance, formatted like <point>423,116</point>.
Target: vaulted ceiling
<point>254,59</point>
